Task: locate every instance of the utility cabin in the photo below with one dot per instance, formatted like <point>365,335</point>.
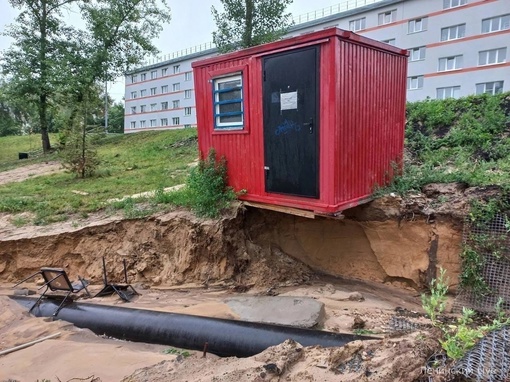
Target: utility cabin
<point>308,125</point>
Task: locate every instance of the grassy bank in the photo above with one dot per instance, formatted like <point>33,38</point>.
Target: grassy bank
<point>130,164</point>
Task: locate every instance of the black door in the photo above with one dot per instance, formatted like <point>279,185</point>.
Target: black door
<point>291,126</point>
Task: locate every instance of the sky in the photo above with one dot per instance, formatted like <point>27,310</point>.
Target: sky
<point>192,24</point>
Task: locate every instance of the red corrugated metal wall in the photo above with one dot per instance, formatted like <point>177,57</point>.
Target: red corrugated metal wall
<point>371,116</point>
<point>362,112</point>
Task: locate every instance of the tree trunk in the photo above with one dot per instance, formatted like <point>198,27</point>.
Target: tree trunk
<point>43,98</point>
<point>248,28</point>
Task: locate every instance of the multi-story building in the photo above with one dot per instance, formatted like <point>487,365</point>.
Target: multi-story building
<point>456,48</point>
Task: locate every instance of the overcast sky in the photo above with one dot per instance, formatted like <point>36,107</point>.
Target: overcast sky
<point>192,24</point>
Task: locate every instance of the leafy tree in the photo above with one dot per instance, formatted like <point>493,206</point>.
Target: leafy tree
<point>245,23</point>
<point>116,118</point>
<point>33,61</point>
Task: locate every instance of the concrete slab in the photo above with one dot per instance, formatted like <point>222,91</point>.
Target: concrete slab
<point>302,312</point>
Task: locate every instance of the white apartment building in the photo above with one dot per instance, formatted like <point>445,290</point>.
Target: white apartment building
<point>456,48</point>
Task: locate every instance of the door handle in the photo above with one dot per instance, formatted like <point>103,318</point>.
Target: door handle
<point>309,125</point>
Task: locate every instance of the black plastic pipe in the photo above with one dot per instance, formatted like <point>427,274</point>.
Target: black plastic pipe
<point>223,337</point>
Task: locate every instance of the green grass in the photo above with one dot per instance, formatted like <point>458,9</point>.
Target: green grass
<point>130,164</point>
<point>12,145</point>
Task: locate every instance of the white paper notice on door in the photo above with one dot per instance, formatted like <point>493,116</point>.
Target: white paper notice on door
<point>288,101</point>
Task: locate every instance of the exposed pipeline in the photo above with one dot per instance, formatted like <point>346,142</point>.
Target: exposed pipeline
<point>218,336</point>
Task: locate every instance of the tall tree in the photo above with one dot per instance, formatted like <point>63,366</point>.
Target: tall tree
<point>245,23</point>
<point>32,61</point>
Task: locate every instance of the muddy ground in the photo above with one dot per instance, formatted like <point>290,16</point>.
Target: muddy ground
<point>388,250</point>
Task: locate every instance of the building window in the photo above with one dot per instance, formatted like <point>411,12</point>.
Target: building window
<point>493,56</point>
<point>164,89</point>
<point>490,88</point>
<point>177,69</point>
<point>495,24</point>
<point>417,54</point>
<point>176,87</point>
<point>390,41</point>
<point>134,78</point>
<point>133,94</point>
<point>187,126</point>
<point>175,104</point>
<point>154,106</point>
<point>187,94</point>
<point>154,74</point>
<point>143,92</point>
<point>417,25</point>
<point>164,105</point>
<point>414,83</point>
<point>228,102</point>
<point>358,24</point>
<point>153,91</point>
<point>449,92</point>
<point>133,125</point>
<point>453,33</point>
<point>153,123</point>
<point>143,108</point>
<point>164,71</point>
<point>450,63</point>
<point>133,109</point>
<point>453,3</point>
<point>187,76</point>
<point>187,111</point>
<point>175,121</point>
<point>164,121</point>
<point>388,17</point>
<point>143,76</point>
<point>142,123</point>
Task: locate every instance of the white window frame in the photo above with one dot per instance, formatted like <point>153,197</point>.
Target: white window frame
<point>177,69</point>
<point>133,109</point>
<point>143,108</point>
<point>164,89</point>
<point>447,4</point>
<point>495,24</point>
<point>187,110</point>
<point>448,92</point>
<point>187,76</point>
<point>496,87</point>
<point>133,94</point>
<point>153,91</point>
<point>387,17</point>
<point>176,87</point>
<point>492,56</point>
<point>417,54</point>
<point>415,82</point>
<point>164,71</point>
<point>154,74</point>
<point>176,121</point>
<point>447,64</point>
<point>237,125</point>
<point>453,32</point>
<point>417,25</point>
<point>187,93</point>
<point>175,104</point>
<point>143,76</point>
<point>143,92</point>
<point>153,123</point>
<point>154,107</point>
<point>142,123</point>
<point>132,125</point>
<point>390,41</point>
<point>134,78</point>
<point>164,121</point>
<point>358,24</point>
<point>164,105</point>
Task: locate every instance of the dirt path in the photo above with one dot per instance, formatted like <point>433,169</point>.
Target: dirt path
<point>30,171</point>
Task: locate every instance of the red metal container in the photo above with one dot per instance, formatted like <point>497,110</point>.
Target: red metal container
<point>314,122</point>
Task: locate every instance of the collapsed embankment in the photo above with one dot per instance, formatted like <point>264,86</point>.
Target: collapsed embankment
<point>389,240</point>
